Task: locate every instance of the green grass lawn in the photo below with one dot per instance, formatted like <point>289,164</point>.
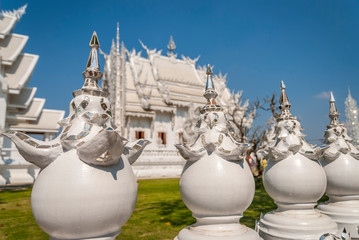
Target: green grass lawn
<point>160,213</point>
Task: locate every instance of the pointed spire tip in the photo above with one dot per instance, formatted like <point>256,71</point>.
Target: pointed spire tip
<point>209,70</point>
<point>332,99</point>
<point>94,43</point>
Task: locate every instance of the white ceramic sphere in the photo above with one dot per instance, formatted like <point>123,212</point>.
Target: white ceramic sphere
<point>295,179</point>
<point>213,186</point>
<point>73,200</point>
<point>342,176</point>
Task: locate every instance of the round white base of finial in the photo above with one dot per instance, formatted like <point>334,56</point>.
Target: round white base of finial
<point>104,237</point>
<point>218,231</point>
<point>295,225</point>
<point>344,213</point>
<point>217,227</point>
<point>73,200</point>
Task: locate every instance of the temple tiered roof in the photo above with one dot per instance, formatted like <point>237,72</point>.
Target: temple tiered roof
<point>12,46</point>
<point>46,122</point>
<point>23,110</point>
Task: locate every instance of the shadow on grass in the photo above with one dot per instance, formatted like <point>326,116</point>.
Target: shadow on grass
<point>14,194</point>
<point>175,213</point>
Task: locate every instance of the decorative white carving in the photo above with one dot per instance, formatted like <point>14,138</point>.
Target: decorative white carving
<point>216,183</point>
<point>86,166</point>
<point>165,94</point>
<point>135,73</point>
<point>340,160</point>
<point>295,180</point>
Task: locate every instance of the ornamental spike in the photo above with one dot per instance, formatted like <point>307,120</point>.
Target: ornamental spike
<point>113,46</point>
<point>349,94</point>
<point>332,99</point>
<point>285,105</point>
<point>171,45</point>
<point>92,73</point>
<point>333,112</point>
<point>210,93</point>
<point>93,58</point>
<point>118,38</point>
<point>209,84</point>
<point>94,43</point>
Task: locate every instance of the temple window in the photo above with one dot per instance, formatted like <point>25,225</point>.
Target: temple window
<point>140,134</point>
<point>180,137</point>
<point>162,138</point>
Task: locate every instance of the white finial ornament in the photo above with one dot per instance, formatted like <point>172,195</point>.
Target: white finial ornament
<point>216,183</point>
<point>171,48</point>
<point>295,180</point>
<point>86,188</point>
<point>171,45</point>
<point>340,160</point>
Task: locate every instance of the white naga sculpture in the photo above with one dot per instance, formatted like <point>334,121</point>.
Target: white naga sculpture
<point>86,188</point>
<point>296,181</point>
<point>216,183</point>
<point>340,160</point>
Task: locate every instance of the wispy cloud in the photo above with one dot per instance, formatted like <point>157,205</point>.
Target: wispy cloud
<point>322,95</point>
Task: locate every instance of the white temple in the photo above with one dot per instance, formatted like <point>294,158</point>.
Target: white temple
<point>19,109</point>
<point>157,98</point>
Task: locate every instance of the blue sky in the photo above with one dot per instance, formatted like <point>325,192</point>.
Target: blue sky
<point>311,45</point>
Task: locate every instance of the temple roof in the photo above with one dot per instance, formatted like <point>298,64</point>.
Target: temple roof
<point>11,46</point>
<point>176,70</point>
<point>8,20</point>
<point>23,99</point>
<point>30,113</point>
<point>161,81</point>
<point>18,74</point>
<point>7,24</point>
<point>47,122</point>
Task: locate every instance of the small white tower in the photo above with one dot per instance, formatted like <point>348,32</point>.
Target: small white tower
<point>296,181</point>
<point>216,183</point>
<point>340,160</point>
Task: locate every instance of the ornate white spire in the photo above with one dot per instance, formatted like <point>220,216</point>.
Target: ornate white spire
<point>333,112</point>
<point>92,73</point>
<point>210,93</point>
<point>285,105</point>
